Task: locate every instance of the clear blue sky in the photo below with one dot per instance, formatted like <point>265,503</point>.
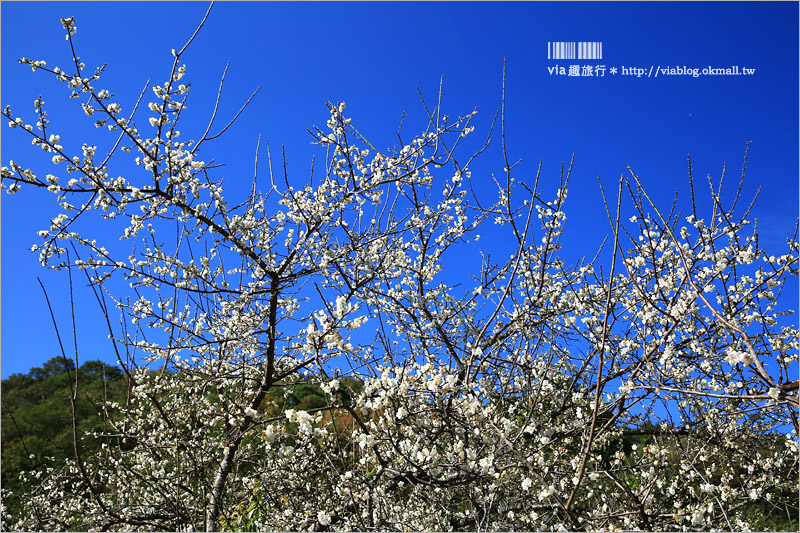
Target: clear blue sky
<point>373,56</point>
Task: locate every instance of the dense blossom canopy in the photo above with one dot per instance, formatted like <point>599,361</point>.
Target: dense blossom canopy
<point>653,393</point>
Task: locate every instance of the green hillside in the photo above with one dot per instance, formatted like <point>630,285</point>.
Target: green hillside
<point>37,429</point>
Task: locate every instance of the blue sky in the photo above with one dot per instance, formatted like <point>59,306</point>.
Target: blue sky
<point>373,56</point>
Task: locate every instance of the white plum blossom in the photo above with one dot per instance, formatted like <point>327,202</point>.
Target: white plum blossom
<point>734,357</point>
<point>347,352</point>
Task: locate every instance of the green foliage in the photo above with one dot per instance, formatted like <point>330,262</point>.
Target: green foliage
<point>306,394</point>
<point>765,516</point>
<point>36,425</point>
<point>246,515</point>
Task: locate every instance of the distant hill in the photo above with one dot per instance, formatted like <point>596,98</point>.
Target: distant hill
<point>37,416</point>
<point>36,410</point>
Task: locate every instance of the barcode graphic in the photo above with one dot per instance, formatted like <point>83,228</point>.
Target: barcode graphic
<point>561,50</point>
<point>569,49</point>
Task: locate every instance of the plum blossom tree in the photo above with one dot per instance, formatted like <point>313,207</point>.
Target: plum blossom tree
<point>654,393</point>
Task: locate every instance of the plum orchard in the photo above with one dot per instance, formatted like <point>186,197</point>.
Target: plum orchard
<point>654,393</point>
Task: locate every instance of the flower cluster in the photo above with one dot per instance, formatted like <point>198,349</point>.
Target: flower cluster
<point>526,394</point>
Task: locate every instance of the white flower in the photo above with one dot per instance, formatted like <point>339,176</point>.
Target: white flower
<point>365,440</point>
<point>323,518</point>
<point>330,386</point>
<point>341,306</point>
<point>697,517</point>
<point>735,356</point>
<point>774,393</point>
<point>526,484</point>
<point>271,432</point>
